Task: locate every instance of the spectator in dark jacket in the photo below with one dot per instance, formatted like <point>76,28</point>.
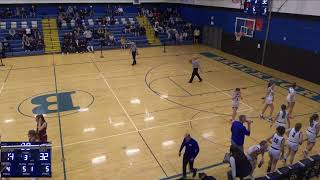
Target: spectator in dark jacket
<point>239,131</point>
<point>190,153</point>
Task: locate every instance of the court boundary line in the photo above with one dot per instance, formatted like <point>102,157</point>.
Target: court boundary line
<point>59,120</point>
<point>5,79</point>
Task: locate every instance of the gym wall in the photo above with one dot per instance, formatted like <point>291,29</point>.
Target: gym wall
<point>293,43</point>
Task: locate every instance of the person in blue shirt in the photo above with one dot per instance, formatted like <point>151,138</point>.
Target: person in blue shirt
<point>239,131</point>
<point>190,153</point>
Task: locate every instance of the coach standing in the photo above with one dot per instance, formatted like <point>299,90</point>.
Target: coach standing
<point>190,153</point>
<point>195,67</point>
<point>239,131</point>
<point>134,51</point>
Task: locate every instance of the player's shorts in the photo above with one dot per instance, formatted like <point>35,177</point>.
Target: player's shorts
<point>289,100</point>
<point>235,104</point>
<point>293,146</point>
<point>311,137</point>
<point>281,124</point>
<point>253,161</point>
<point>269,100</point>
<point>275,153</point>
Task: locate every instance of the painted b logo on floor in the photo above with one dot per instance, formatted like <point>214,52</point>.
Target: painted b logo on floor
<point>62,103</point>
<point>65,101</point>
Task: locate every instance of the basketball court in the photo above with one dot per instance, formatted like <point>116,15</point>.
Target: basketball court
<point>118,121</point>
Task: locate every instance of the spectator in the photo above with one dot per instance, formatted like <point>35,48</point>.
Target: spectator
<point>87,34</point>
<point>12,33</point>
<point>204,176</point>
<point>18,12</point>
<point>33,11</point>
<point>25,43</point>
<point>239,131</point>
<point>1,50</point>
<point>123,42</point>
<point>120,11</point>
<point>23,13</point>
<point>111,39</point>
<point>90,46</point>
<point>28,32</point>
<point>196,34</point>
<point>240,166</point>
<point>6,45</point>
<point>91,11</point>
<point>190,153</point>
<point>126,29</point>
<point>142,31</point>
<point>136,30</point>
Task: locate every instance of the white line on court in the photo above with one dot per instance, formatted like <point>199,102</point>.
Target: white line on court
<point>124,110</point>
<point>1,88</point>
<point>145,129</point>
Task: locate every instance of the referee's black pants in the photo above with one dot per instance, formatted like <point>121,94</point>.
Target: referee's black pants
<point>134,54</point>
<point>195,73</point>
<point>185,162</point>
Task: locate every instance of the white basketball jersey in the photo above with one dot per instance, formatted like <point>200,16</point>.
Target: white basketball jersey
<point>294,136</point>
<point>270,93</point>
<point>253,149</point>
<point>291,94</point>
<point>281,119</point>
<point>312,128</point>
<point>236,96</point>
<point>276,141</point>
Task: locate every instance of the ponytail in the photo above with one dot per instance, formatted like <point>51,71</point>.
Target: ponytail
<point>284,113</point>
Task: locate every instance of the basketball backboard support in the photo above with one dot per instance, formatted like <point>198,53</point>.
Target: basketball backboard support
<point>245,26</point>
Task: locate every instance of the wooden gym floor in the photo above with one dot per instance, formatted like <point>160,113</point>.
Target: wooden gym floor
<point>132,120</point>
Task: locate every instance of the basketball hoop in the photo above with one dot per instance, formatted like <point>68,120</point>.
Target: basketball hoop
<point>238,35</point>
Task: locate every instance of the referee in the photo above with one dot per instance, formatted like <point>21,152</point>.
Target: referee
<point>195,67</point>
<point>134,52</point>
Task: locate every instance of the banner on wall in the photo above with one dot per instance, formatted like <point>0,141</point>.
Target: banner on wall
<point>259,24</point>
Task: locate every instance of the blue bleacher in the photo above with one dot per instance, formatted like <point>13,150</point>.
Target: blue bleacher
<point>116,30</point>
<point>16,48</point>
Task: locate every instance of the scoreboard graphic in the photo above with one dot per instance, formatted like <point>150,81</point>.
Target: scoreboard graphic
<point>32,161</point>
<point>256,7</point>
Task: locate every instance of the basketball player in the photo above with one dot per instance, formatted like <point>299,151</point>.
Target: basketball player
<point>236,96</point>
<point>291,98</point>
<point>33,137</point>
<point>41,128</point>
<point>195,67</point>
<point>312,132</point>
<point>282,118</point>
<point>276,150</point>
<point>254,152</point>
<point>268,101</point>
<point>295,138</point>
<point>134,52</point>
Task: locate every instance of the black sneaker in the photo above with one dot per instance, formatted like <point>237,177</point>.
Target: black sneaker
<point>194,172</point>
<point>269,169</point>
